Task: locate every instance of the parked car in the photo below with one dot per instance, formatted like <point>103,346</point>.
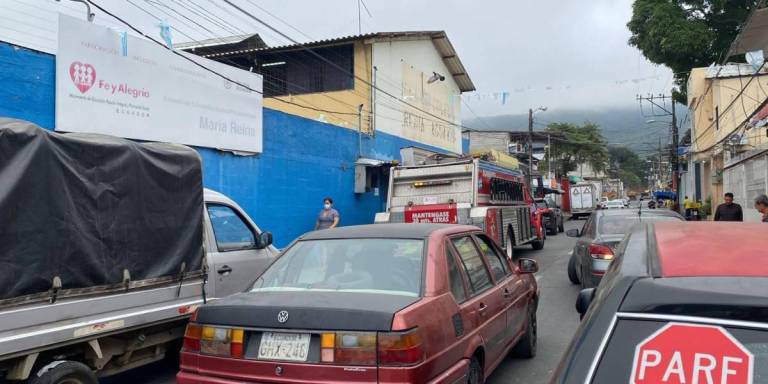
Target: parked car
<point>552,216</point>
<point>597,240</point>
<point>386,303</point>
<point>614,204</point>
<point>664,314</point>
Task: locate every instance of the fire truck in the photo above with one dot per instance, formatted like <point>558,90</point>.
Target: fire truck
<point>466,191</point>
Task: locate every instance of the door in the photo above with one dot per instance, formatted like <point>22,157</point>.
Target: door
<point>233,256</point>
<point>487,303</point>
<point>514,290</point>
<point>586,235</point>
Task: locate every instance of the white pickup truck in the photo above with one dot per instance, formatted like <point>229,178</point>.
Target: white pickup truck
<point>89,304</point>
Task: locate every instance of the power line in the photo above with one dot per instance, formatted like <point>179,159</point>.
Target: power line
<point>364,81</point>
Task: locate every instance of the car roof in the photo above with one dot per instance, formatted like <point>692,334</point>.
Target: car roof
<point>711,249</point>
<point>387,231</point>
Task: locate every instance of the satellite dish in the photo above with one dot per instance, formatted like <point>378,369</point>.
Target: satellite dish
<point>755,58</point>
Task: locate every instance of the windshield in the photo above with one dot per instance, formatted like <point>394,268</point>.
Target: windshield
<point>391,266</point>
<point>620,224</point>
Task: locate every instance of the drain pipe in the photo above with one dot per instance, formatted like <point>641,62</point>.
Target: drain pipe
<point>360,131</point>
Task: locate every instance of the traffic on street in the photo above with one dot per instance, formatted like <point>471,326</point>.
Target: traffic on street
<point>254,192</point>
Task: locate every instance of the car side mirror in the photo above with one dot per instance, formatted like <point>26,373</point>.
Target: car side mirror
<point>584,300</point>
<point>572,233</point>
<point>527,266</point>
<point>264,240</point>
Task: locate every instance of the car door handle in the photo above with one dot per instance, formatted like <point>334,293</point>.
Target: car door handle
<point>482,309</point>
<point>507,293</point>
<point>224,270</point>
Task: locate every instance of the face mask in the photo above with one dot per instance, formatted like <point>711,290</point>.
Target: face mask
<point>327,206</point>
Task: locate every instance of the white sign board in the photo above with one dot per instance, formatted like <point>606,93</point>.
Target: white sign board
<point>136,89</point>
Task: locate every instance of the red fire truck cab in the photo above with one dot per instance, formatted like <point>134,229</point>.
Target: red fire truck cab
<point>472,191</point>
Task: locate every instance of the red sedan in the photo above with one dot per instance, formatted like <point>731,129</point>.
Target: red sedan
<point>389,303</point>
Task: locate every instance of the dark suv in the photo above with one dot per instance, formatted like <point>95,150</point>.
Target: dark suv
<point>681,303</point>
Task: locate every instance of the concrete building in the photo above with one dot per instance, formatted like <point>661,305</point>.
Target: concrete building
<point>728,134</point>
<point>307,153</point>
<point>406,84</point>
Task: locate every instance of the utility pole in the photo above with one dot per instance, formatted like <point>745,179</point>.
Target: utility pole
<point>673,150</point>
<point>530,149</point>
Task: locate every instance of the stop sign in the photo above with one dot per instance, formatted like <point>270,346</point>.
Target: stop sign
<point>692,354</point>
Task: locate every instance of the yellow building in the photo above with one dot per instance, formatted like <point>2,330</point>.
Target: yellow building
<point>406,84</point>
<point>727,136</point>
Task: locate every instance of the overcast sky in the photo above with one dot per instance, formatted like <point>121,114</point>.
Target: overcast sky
<point>562,54</point>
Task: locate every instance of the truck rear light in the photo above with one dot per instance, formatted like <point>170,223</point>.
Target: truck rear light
<point>599,251</point>
<point>400,348</point>
<point>192,337</point>
<point>222,341</point>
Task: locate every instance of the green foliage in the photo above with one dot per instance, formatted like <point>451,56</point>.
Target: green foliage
<point>582,144</point>
<point>684,34</point>
<point>706,208</point>
<point>627,166</point>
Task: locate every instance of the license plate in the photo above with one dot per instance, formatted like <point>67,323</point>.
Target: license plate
<point>284,346</point>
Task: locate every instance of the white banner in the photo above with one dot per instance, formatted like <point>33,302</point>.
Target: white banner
<point>110,83</point>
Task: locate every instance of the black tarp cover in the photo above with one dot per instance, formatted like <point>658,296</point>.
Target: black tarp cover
<point>87,207</point>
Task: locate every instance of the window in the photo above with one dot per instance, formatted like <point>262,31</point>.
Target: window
<point>230,231</point>
<point>504,191</point>
<point>389,266</point>
<point>498,269</point>
<point>621,224</point>
<point>477,274</point>
<point>300,72</point>
<point>454,277</point>
<point>615,364</point>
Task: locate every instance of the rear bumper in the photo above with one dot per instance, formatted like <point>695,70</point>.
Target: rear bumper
<point>237,371</point>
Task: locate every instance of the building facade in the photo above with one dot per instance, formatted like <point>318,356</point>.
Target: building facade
<point>729,140</point>
<point>307,154</point>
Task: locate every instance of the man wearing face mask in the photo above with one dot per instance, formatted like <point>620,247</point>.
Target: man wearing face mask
<point>328,217</point>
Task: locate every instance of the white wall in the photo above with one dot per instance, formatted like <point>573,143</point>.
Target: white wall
<point>402,70</point>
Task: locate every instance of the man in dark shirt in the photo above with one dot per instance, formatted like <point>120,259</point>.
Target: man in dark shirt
<point>729,211</point>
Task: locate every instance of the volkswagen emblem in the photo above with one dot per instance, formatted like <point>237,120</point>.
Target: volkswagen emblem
<point>279,369</point>
<point>282,316</point>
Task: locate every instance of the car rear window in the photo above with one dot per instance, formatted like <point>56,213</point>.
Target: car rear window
<point>390,266</point>
<point>620,224</point>
<point>642,350</point>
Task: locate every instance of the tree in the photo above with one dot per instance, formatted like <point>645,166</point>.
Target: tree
<point>582,145</point>
<point>627,166</point>
<point>684,34</point>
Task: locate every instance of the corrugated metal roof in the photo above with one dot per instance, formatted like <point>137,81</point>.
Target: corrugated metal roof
<point>439,39</point>
<point>214,42</point>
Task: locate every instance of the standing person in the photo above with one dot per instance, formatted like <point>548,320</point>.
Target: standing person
<point>328,217</point>
<point>688,206</point>
<point>729,211</point>
<point>761,204</point>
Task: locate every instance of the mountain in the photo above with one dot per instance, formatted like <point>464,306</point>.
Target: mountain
<point>624,126</point>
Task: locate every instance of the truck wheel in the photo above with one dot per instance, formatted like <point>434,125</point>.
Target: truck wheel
<point>539,243</point>
<point>508,245</point>
<point>64,372</point>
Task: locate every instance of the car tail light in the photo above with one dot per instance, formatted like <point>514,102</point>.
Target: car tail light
<point>192,338</point>
<point>214,341</point>
<point>400,348</point>
<point>353,348</point>
<point>599,251</point>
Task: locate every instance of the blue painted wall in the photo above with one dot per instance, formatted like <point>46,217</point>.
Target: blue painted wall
<point>282,189</point>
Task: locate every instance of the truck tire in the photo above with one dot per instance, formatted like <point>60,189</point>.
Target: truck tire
<point>64,372</point>
<point>509,246</point>
<point>539,243</point>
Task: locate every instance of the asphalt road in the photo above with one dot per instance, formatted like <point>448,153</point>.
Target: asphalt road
<point>557,320</point>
